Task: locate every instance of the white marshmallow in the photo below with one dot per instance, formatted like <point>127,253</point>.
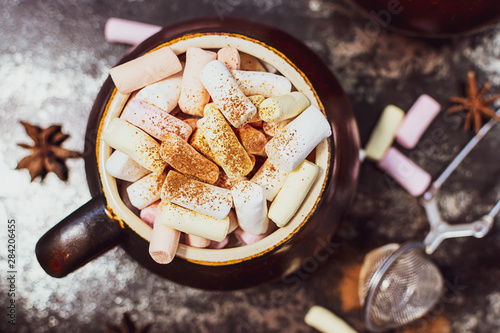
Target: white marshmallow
<point>292,145</point>
<point>135,143</point>
<point>195,195</point>
<point>191,222</point>
<point>270,179</point>
<point>251,207</point>
<point>225,92</point>
<point>145,191</point>
<point>262,83</point>
<point>120,166</point>
<point>283,107</point>
<point>293,192</point>
<point>163,94</point>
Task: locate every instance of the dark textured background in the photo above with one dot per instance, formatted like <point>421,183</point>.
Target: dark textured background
<point>53,59</point>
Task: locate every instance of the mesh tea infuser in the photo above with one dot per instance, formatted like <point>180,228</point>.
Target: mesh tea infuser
<point>399,283</point>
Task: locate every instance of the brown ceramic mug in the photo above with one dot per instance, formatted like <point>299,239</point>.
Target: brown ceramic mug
<point>105,221</point>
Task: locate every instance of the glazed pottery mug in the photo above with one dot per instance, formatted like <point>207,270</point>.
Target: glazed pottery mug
<point>106,221</point>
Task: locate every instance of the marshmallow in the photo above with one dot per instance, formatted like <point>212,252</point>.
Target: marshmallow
<point>293,192</point>
<point>252,140</point>
<point>256,100</point>
<point>194,96</point>
<point>384,132</point>
<point>164,243</point>
<point>273,128</point>
<point>262,83</point>
<point>283,107</point>
<point>270,178</point>
<point>148,213</point>
<point>134,142</point>
<point>200,197</point>
<point>326,322</point>
<point>192,122</point>
<point>163,94</point>
<point>120,166</point>
<point>197,241</point>
<point>225,92</point>
<point>185,159</point>
<point>417,120</point>
<point>153,120</point>
<point>146,190</point>
<point>191,222</point>
<point>250,63</point>
<point>230,57</point>
<point>119,30</point>
<point>198,142</point>
<point>409,175</point>
<point>227,150</point>
<point>248,238</point>
<point>227,182</point>
<point>292,145</point>
<point>219,245</point>
<point>147,69</point>
<point>251,207</point>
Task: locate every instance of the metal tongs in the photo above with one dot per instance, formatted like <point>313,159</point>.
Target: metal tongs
<point>440,229</point>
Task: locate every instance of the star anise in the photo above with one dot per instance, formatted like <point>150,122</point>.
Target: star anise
<point>475,104</point>
<point>47,155</point>
<point>127,326</point>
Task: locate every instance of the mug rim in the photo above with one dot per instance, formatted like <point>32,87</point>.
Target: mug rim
<point>124,215</point>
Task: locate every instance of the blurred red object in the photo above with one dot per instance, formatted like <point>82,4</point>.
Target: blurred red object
<point>431,18</point>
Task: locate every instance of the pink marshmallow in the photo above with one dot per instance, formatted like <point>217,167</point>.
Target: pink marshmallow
<point>248,238</point>
<point>153,120</point>
<point>230,57</point>
<point>409,175</point>
<point>129,32</point>
<point>219,245</point>
<point>417,120</point>
<point>148,213</point>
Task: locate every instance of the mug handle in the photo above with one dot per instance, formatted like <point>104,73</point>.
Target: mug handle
<point>82,236</point>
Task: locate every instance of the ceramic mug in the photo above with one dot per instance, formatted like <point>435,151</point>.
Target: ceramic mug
<point>105,221</point>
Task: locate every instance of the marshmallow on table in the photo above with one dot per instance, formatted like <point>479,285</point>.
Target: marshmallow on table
<point>119,30</point>
<point>270,179</point>
<point>148,213</point>
<point>163,94</point>
<point>251,207</point>
<point>291,146</point>
<point>147,69</point>
<point>274,127</point>
<point>262,83</point>
<point>146,190</point>
<point>417,120</point>
<point>164,243</point>
<point>135,143</point>
<point>200,197</point>
<point>194,96</point>
<point>226,93</point>
<point>185,159</point>
<point>250,63</point>
<point>197,241</point>
<point>191,222</point>
<point>248,238</point>
<point>227,150</point>
<point>384,132</point>
<point>230,57</point>
<point>325,321</point>
<point>153,120</point>
<point>294,190</point>
<point>252,140</point>
<point>283,107</point>
<point>409,175</point>
<point>120,166</point>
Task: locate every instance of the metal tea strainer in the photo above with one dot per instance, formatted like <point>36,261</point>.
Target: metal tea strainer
<point>399,283</point>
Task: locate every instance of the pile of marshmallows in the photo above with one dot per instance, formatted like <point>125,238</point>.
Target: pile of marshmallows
<point>230,110</point>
